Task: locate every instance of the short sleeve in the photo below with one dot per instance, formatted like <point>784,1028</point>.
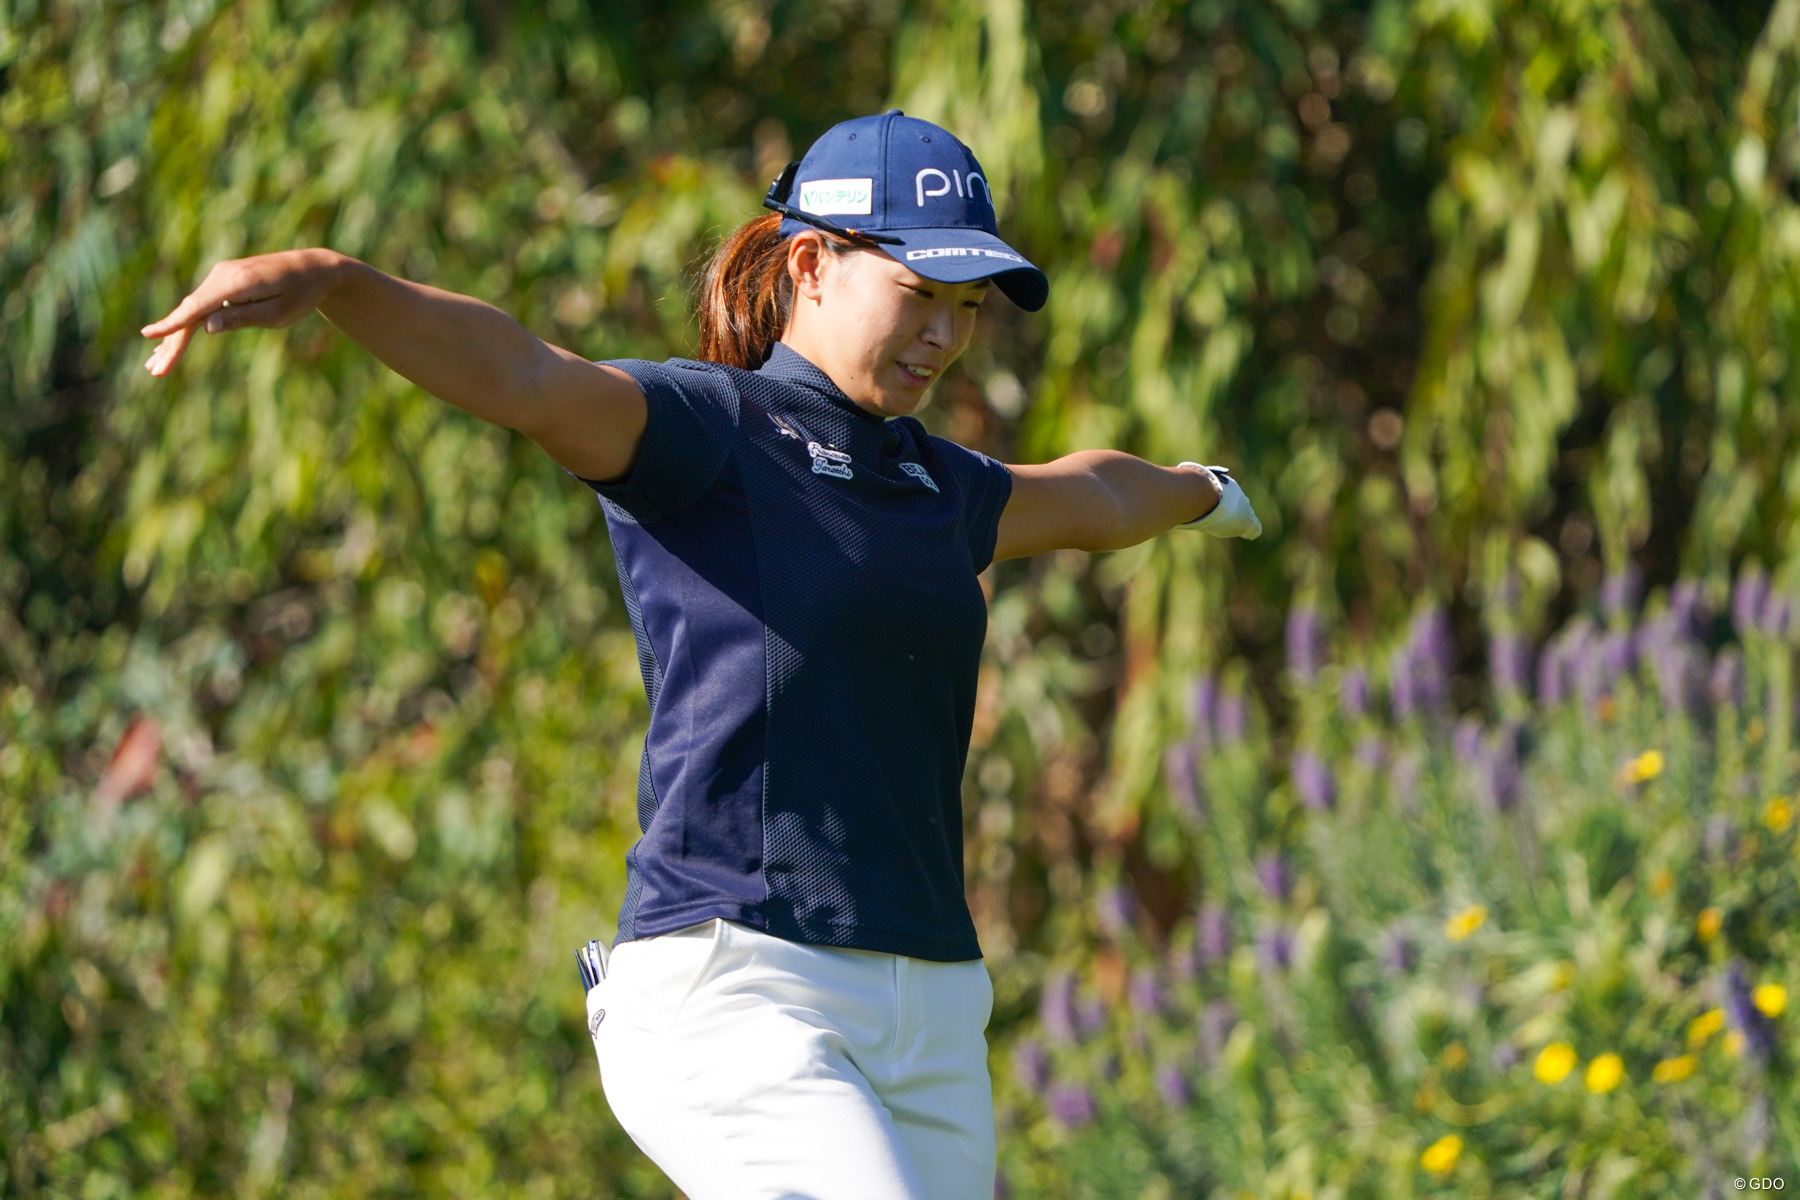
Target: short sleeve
<point>689,430</point>
<point>986,486</point>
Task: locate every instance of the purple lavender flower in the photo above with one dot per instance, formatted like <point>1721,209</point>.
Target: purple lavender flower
<point>1402,694</point>
<point>1505,1055</point>
<point>1618,654</point>
<point>1353,693</point>
<point>1688,609</point>
<point>1212,934</point>
<point>1777,615</point>
<point>1275,948</point>
<point>1206,698</point>
<point>1114,908</point>
<point>1056,1009</point>
<point>1747,598</point>
<point>1370,752</point>
<point>1184,964</point>
<point>1272,873</point>
<point>1172,1086</point>
<point>1184,780</point>
<point>1553,675</point>
<point>1145,992</point>
<point>1031,1065</point>
<point>1314,781</point>
<point>1509,664</point>
<point>1465,742</point>
<point>1398,955</point>
<point>1090,1016</point>
<point>1591,677</point>
<point>1071,1104</point>
<point>1680,675</point>
<point>1002,1186</point>
<point>1727,682</point>
<point>1619,591</point>
<point>1743,1015</point>
<point>1432,659</point>
<point>1232,719</point>
<point>1305,643</point>
<point>1500,768</point>
<point>1216,1021</point>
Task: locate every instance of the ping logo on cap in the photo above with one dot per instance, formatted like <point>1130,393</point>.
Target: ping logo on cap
<point>826,196</point>
<point>943,184</point>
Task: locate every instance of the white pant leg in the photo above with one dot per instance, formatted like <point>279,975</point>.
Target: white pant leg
<point>731,1058</point>
<point>936,1085</point>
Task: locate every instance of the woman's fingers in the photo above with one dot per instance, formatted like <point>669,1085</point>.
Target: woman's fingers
<point>235,315</point>
<point>169,351</point>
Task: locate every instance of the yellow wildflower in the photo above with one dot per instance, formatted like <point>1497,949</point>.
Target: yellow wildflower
<point>1708,924</point>
<point>1673,1070</point>
<point>1644,767</point>
<point>1663,882</point>
<point>1465,922</point>
<point>1734,1042</point>
<point>1455,1055</point>
<point>1441,1155</point>
<point>1778,814</point>
<point>1605,1072</point>
<point>1771,998</point>
<point>1554,1062</point>
<point>1704,1026</point>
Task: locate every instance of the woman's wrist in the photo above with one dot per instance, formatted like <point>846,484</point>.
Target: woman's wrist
<point>1205,485</point>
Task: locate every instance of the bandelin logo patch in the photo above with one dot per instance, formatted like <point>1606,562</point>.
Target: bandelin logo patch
<point>855,197</point>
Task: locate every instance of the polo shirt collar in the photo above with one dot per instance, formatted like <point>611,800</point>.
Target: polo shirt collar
<point>790,366</point>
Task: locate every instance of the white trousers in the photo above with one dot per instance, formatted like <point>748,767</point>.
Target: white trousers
<point>749,1067</point>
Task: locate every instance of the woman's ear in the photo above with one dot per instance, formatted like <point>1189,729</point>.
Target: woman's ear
<point>806,265</point>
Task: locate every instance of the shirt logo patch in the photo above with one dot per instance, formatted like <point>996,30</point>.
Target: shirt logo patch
<point>594,1022</point>
<point>827,461</point>
<point>784,428</point>
<point>919,473</point>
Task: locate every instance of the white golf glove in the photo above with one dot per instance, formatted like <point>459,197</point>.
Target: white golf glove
<point>1232,516</point>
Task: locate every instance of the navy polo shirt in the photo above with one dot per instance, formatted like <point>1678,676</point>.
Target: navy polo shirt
<point>801,579</point>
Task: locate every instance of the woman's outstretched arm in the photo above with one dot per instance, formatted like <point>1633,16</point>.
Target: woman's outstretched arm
<point>587,417</point>
<point>1098,500</point>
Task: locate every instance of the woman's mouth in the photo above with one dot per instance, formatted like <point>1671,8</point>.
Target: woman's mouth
<point>916,375</point>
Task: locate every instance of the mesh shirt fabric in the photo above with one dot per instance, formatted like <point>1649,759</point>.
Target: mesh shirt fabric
<point>801,577</point>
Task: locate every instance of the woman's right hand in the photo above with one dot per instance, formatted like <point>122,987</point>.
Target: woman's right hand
<point>267,291</point>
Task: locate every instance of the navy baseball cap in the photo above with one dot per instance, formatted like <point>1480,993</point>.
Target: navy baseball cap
<point>915,191</point>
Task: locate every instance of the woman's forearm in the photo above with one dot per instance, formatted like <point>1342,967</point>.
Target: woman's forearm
<point>1142,498</point>
<point>1098,500</point>
<point>459,349</point>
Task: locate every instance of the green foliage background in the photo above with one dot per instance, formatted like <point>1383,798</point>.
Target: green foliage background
<point>1485,301</point>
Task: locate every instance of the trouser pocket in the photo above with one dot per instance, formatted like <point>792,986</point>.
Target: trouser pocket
<point>648,981</point>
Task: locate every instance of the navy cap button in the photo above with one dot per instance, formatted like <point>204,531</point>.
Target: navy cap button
<point>894,112</point>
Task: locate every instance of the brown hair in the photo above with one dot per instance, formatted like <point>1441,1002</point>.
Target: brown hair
<point>746,295</point>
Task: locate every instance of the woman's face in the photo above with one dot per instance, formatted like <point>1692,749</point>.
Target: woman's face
<point>880,331</point>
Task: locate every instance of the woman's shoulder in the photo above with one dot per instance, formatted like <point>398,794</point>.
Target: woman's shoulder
<point>637,367</point>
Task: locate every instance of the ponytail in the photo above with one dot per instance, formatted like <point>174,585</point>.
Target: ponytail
<point>746,295</point>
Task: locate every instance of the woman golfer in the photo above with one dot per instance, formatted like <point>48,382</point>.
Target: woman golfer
<point>796,1003</point>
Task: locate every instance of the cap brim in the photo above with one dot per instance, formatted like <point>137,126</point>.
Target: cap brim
<point>965,255</point>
